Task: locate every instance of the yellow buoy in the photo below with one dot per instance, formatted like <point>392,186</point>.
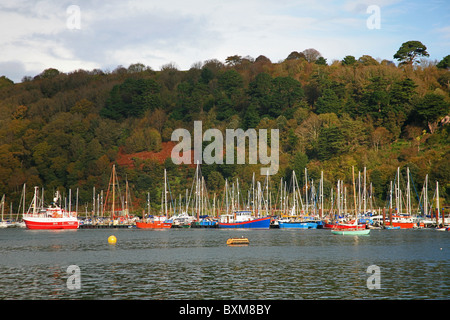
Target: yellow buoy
<point>112,240</point>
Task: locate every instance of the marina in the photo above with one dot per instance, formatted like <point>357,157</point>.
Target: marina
<point>294,207</point>
<point>198,264</point>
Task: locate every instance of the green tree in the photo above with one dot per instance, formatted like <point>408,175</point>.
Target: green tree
<point>233,60</point>
<point>132,98</point>
<point>328,102</point>
<point>401,96</point>
<point>431,108</point>
<point>375,98</point>
<point>230,81</point>
<point>298,164</point>
<point>330,143</point>
<point>251,117</point>
<point>215,181</point>
<point>49,73</point>
<point>348,60</point>
<point>321,61</point>
<point>260,92</point>
<point>286,92</point>
<point>444,63</point>
<point>4,82</point>
<point>410,51</point>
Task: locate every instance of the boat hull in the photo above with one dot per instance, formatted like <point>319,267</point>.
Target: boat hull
<point>403,225</point>
<point>204,224</point>
<point>349,232</point>
<point>260,223</point>
<point>297,225</point>
<point>392,228</point>
<point>340,226</point>
<point>154,225</point>
<point>38,223</point>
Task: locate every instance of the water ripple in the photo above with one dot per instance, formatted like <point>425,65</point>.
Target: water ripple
<point>197,264</point>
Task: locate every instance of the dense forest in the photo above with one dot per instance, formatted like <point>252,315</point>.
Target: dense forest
<point>66,130</point>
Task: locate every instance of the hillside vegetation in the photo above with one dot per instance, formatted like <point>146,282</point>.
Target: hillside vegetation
<point>65,130</point>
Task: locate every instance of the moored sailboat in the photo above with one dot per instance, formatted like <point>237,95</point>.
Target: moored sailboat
<point>297,220</point>
<point>156,222</point>
<point>352,228</point>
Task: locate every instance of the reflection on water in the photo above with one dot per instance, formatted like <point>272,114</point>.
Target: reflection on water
<point>197,264</point>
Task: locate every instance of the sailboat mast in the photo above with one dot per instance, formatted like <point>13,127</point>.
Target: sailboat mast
<point>338,198</point>
<point>359,191</point>
<point>3,205</point>
<point>321,195</point>
<point>354,191</point>
<point>365,192</point>
<point>165,193</point>
<point>408,194</point>
<point>437,204</point>
<point>306,190</point>
<point>267,193</point>
<point>426,197</point>
<point>399,203</point>
<point>226,194</point>
<point>113,190</point>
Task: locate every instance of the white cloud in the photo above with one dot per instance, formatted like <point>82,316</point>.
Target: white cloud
<point>157,32</point>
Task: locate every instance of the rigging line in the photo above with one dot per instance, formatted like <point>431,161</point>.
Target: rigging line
<point>415,190</point>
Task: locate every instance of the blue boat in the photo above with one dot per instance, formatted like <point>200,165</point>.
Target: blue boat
<point>243,220</point>
<point>392,228</point>
<point>298,224</point>
<point>205,222</point>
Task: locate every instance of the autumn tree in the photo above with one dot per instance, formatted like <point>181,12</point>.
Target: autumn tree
<point>295,55</point>
<point>380,137</point>
<point>311,55</point>
<point>367,60</point>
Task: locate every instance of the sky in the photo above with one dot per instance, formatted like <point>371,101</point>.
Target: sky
<point>100,34</point>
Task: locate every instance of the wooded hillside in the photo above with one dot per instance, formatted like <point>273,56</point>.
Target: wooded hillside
<point>65,130</point>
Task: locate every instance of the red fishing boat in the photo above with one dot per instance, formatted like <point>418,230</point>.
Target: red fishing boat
<point>402,221</point>
<point>50,218</point>
<point>158,222</point>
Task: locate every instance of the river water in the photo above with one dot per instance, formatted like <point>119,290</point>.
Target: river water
<point>196,264</point>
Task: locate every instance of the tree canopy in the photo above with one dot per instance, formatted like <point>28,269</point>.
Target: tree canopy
<point>410,51</point>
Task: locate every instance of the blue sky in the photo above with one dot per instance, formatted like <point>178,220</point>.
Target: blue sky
<point>34,35</point>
